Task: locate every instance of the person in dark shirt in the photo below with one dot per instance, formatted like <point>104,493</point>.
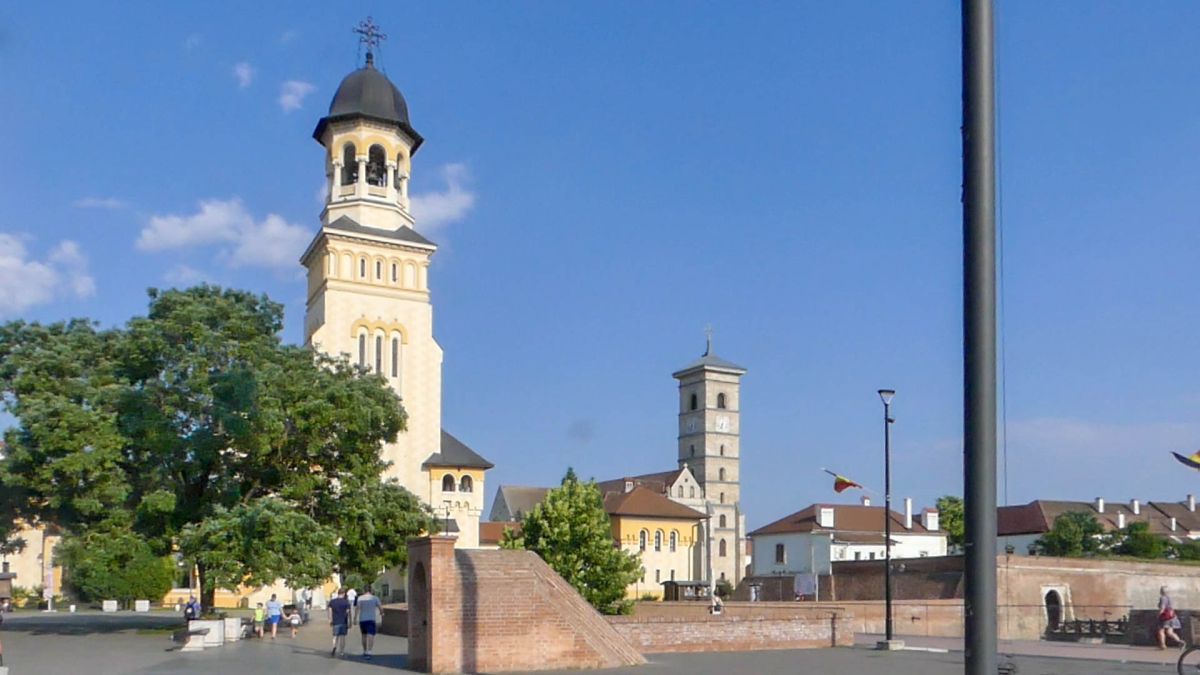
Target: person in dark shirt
<point>339,620</point>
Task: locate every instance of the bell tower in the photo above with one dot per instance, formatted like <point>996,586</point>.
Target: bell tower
<point>368,267</point>
<point>709,445</point>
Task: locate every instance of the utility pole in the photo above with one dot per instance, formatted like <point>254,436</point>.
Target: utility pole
<point>979,335</point>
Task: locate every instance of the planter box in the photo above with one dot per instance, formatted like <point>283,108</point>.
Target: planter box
<point>233,629</point>
<point>216,630</point>
<point>141,605</point>
<point>109,605</point>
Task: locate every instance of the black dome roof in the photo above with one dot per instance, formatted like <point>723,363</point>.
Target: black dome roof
<point>368,93</point>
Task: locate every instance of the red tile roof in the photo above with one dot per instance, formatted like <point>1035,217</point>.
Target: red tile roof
<point>643,501</point>
<point>846,518</point>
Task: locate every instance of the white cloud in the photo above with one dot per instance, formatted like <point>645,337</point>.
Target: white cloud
<point>435,210</point>
<point>244,242</point>
<point>27,282</point>
<point>292,93</point>
<point>98,203</point>
<point>244,72</point>
<point>184,275</point>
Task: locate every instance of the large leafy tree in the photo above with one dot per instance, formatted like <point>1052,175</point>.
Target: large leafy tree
<point>107,564</point>
<point>950,517</point>
<point>1074,534</point>
<point>570,530</point>
<point>194,427</point>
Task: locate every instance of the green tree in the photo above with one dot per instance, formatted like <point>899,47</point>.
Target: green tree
<point>1188,549</point>
<point>374,520</point>
<point>950,517</point>
<point>1136,540</point>
<point>571,531</point>
<point>195,427</point>
<point>1074,534</point>
<point>114,565</point>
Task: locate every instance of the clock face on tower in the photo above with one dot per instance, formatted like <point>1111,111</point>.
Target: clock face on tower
<point>722,423</point>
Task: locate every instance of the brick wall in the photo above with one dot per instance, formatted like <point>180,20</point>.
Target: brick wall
<point>496,611</point>
<point>395,620</point>
<point>689,627</point>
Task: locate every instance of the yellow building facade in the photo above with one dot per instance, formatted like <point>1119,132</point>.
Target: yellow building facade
<point>663,533</point>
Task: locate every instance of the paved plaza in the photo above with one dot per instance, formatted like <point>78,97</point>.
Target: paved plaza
<point>127,644</point>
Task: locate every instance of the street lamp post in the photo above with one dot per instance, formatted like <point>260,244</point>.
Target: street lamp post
<point>886,395</point>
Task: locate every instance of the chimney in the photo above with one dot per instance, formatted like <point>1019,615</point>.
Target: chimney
<point>628,485</point>
<point>866,501</point>
<point>1135,507</point>
<point>1100,504</point>
<point>1173,524</point>
<point>825,516</point>
<point>908,513</point>
<point>1191,502</point>
<point>931,519</point>
<point>1121,520</point>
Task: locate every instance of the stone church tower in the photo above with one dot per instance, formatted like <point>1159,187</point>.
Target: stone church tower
<point>369,290</point>
<point>709,432</point>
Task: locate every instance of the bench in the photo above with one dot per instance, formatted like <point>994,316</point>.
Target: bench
<point>188,639</point>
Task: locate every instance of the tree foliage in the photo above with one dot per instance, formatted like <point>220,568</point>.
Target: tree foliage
<point>114,565</point>
<point>951,519</point>
<point>1136,540</point>
<point>1074,534</point>
<point>571,531</point>
<point>195,425</point>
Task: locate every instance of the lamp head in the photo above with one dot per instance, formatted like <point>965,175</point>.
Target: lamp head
<point>886,395</point>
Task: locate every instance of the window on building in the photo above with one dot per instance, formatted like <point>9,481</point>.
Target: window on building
<point>720,400</point>
<point>872,554</point>
<point>681,491</point>
<point>395,357</point>
<point>858,555</point>
<point>672,575</point>
<point>721,521</point>
<point>657,576</point>
<point>780,554</point>
<point>722,499</point>
<point>395,273</point>
<point>447,483</point>
<point>349,165</point>
<point>466,484</point>
<point>722,576</point>
<point>642,541</point>
<point>376,166</point>
<point>721,473</point>
<point>379,354</point>
<point>722,552</point>
<point>362,350</point>
<point>673,540</point>
<point>658,540</point>
<point>378,271</point>
<point>722,450</point>
<point>695,402</point>
<point>362,268</point>
<point>692,450</point>
<point>692,491</point>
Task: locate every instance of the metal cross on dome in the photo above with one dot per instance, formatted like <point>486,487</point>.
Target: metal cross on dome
<point>369,34</point>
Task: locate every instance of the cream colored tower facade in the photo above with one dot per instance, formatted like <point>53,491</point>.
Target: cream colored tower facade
<point>369,287</point>
<point>710,447</point>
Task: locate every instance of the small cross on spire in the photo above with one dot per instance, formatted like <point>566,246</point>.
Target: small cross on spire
<point>708,332</point>
<point>370,35</point>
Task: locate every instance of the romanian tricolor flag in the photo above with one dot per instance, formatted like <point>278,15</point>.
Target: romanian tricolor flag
<point>841,483</point>
<point>1193,461</point>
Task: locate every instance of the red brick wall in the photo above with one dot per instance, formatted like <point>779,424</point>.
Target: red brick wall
<point>688,627</point>
<point>496,611</point>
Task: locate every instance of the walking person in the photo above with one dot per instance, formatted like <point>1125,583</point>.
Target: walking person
<point>260,617</point>
<point>339,621</point>
<point>294,620</point>
<point>274,614</point>
<point>368,612</point>
<point>1168,622</point>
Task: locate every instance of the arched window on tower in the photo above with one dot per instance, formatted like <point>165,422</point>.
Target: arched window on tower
<point>362,350</point>
<point>399,170</point>
<point>349,165</point>
<point>721,521</point>
<point>720,400</point>
<point>466,484</point>
<point>447,483</point>
<point>378,271</point>
<point>695,401</point>
<point>721,473</point>
<point>362,268</point>
<point>379,354</point>
<point>722,551</point>
<point>722,450</point>
<point>692,450</point>
<point>395,273</point>
<point>377,166</point>
<point>722,498</point>
<point>395,357</point>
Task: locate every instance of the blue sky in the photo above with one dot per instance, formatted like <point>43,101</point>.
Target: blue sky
<point>607,179</point>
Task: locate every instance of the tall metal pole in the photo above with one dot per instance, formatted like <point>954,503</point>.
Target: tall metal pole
<point>887,520</point>
<point>979,336</point>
